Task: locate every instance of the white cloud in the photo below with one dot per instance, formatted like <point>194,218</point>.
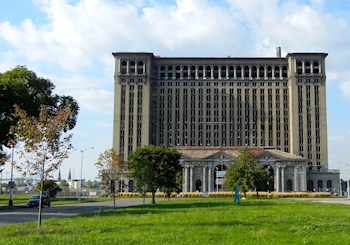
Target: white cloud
<point>345,88</point>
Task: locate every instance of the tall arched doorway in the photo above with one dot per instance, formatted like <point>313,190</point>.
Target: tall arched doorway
<point>270,183</point>
<point>131,186</point>
<point>198,185</point>
<point>219,175</point>
<point>310,185</point>
<point>289,185</point>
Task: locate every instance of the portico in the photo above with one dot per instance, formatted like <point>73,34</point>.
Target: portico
<point>204,168</point>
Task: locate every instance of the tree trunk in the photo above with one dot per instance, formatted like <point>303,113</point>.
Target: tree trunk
<point>257,194</point>
<point>153,197</point>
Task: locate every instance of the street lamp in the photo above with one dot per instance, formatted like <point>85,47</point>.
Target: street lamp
<point>11,182</point>
<point>81,169</point>
<point>217,179</point>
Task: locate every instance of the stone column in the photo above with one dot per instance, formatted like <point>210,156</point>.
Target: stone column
<point>204,187</point>
<point>303,179</point>
<point>209,179</point>
<point>296,178</point>
<point>186,179</point>
<point>282,178</point>
<point>277,186</point>
<point>191,178</point>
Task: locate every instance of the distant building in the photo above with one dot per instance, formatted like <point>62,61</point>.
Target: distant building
<point>207,107</point>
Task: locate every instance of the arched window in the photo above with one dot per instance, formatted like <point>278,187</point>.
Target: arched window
<point>299,67</point>
<point>185,71</point>
<point>162,71</point>
<point>269,72</point>
<point>316,67</point>
<point>277,72</point>
<point>193,72</point>
<point>246,71</point>
<point>289,185</point>
<point>200,71</point>
<point>170,72</point>
<point>310,185</point>
<point>307,67</point>
<point>124,67</point>
<point>178,73</point>
<point>131,186</point>
<point>284,72</point>
<point>319,185</point>
<point>223,72</point>
<point>208,72</point>
<point>198,185</point>
<point>329,185</point>
<point>254,72</point>
<point>132,67</point>
<point>140,67</point>
<point>261,72</point>
<point>239,71</point>
<point>216,72</point>
<point>231,71</point>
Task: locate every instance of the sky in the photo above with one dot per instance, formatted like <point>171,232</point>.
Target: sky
<point>70,42</point>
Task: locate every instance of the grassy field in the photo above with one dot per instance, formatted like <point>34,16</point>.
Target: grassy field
<point>195,221</point>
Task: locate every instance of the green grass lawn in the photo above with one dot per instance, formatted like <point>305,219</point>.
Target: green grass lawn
<point>195,221</point>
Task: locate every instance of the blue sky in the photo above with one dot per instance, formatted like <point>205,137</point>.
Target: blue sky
<point>70,43</point>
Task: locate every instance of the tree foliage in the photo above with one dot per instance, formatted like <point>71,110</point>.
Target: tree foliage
<point>156,167</point>
<point>22,87</point>
<point>246,173</point>
<point>50,187</point>
<point>111,167</point>
<point>44,142</point>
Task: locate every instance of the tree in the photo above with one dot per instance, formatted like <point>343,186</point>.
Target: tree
<point>155,167</point>
<point>44,142</point>
<point>262,181</point>
<point>111,167</point>
<point>24,88</point>
<point>243,172</point>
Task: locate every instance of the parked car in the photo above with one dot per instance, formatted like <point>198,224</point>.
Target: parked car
<point>35,199</point>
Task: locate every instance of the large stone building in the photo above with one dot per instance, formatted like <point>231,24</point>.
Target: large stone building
<point>207,107</point>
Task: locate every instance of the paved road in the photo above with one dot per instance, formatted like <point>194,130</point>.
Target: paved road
<point>31,214</point>
<point>338,200</point>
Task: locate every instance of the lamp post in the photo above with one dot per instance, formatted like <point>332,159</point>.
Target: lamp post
<point>348,185</point>
<point>81,170</point>
<point>217,179</point>
<point>11,182</point>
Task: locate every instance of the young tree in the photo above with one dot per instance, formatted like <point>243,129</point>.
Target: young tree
<point>111,167</point>
<point>243,172</point>
<point>45,142</point>
<point>155,167</point>
<point>23,87</point>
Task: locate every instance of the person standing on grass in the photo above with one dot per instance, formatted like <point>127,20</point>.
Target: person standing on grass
<point>236,197</point>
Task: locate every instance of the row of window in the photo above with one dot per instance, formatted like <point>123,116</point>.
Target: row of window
<point>223,72</point>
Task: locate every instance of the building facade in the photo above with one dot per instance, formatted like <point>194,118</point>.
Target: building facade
<point>223,103</point>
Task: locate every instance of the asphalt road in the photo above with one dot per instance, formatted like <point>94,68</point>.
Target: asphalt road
<point>21,215</point>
